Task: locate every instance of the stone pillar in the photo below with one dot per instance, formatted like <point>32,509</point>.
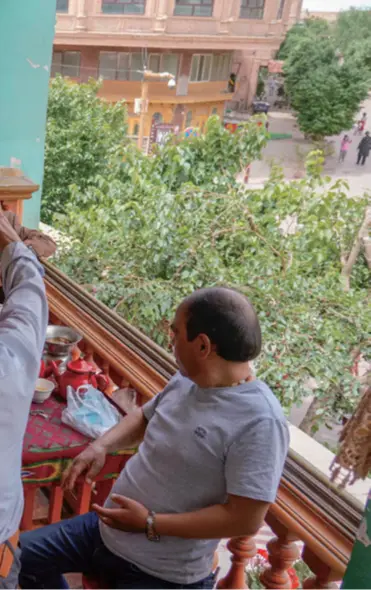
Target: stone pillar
<point>81,21</point>
<point>161,15</point>
<point>26,42</point>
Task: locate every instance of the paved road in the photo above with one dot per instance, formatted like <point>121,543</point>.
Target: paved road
<point>289,153</point>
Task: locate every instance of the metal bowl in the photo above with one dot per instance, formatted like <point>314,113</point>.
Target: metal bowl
<point>53,333</point>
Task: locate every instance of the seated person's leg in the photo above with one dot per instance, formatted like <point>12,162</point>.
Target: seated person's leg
<point>57,549</point>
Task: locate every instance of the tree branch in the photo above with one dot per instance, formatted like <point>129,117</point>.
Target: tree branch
<point>356,248</point>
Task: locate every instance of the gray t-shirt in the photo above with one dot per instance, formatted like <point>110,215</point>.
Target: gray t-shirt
<point>199,446</point>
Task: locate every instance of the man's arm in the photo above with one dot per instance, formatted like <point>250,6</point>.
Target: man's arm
<point>253,469</point>
<point>125,435</point>
<point>43,245</point>
<point>24,316</point>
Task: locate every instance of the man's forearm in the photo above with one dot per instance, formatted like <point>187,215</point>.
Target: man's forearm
<point>126,434</point>
<point>214,522</point>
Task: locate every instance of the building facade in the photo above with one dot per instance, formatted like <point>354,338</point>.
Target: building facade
<point>201,42</point>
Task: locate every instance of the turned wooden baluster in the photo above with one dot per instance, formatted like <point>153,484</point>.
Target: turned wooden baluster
<point>282,552</point>
<point>111,386</point>
<point>324,577</point>
<point>243,549</point>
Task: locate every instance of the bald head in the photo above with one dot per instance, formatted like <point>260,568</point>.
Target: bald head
<point>228,319</point>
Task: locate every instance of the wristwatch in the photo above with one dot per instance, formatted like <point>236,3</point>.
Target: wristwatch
<point>151,532</point>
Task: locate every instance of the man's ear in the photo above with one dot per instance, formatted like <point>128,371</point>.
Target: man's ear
<point>205,345</point>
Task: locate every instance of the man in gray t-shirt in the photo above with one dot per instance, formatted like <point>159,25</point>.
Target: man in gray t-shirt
<point>214,442</point>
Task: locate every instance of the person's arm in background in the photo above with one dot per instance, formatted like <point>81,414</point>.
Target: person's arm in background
<point>43,245</point>
<point>24,317</point>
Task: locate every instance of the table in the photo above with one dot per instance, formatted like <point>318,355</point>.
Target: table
<point>48,448</point>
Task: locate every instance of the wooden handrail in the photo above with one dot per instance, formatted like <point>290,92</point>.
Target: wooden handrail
<point>306,508</point>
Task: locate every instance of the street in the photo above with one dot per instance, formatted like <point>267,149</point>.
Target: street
<point>290,154</point>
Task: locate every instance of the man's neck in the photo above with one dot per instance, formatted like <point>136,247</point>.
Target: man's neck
<point>228,375</point>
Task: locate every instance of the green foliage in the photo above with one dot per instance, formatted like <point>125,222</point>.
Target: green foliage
<point>141,255</point>
<point>146,231</point>
<point>81,134</point>
<point>324,91</point>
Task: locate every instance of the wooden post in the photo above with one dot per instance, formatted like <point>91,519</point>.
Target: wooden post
<point>243,549</point>
<point>15,187</point>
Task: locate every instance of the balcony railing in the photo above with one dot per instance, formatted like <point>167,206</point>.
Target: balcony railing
<point>310,518</point>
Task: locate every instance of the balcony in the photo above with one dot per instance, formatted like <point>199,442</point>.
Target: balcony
<point>310,517</point>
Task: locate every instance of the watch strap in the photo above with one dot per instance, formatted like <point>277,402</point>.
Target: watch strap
<point>151,532</point>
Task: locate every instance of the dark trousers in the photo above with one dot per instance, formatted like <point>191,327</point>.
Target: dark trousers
<point>361,158</point>
<point>75,545</point>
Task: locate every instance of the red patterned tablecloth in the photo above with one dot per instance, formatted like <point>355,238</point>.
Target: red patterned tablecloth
<point>49,445</point>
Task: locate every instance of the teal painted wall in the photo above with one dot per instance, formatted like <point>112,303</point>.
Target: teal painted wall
<point>26,42</point>
<point>358,574</point>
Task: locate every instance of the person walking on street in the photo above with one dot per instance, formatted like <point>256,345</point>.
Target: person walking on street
<point>344,147</point>
<point>364,149</point>
<point>360,125</point>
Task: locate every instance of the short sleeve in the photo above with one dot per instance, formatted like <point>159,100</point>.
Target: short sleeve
<point>255,460</point>
<point>150,407</point>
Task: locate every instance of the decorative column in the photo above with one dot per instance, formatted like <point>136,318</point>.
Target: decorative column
<point>324,577</point>
<point>253,81</point>
<point>282,552</point>
<point>243,549</point>
<point>161,16</point>
<point>26,41</point>
<point>81,21</point>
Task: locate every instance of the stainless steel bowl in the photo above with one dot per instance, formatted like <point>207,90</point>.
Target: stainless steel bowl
<point>60,348</point>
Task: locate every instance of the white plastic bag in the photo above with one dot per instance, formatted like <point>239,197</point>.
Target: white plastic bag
<point>89,412</point>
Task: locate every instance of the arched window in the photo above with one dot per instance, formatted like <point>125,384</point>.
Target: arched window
<point>188,120</point>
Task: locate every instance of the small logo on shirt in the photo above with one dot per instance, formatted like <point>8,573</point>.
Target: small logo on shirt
<point>200,432</point>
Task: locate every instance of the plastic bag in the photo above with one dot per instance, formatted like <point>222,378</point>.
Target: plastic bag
<point>89,412</point>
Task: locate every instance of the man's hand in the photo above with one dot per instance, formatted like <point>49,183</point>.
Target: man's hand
<point>7,233</point>
<point>130,516</point>
<point>91,460</point>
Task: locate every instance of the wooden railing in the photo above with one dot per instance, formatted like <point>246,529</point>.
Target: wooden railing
<point>310,519</point>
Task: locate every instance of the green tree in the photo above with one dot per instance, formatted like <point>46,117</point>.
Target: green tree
<point>82,133</point>
<point>309,29</point>
<point>142,256</point>
<point>325,93</point>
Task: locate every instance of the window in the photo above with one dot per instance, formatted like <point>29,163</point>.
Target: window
<point>200,68</point>
<point>252,9</point>
<point>157,118</point>
<point>136,129</point>
<point>170,63</point>
<point>154,62</point>
<point>193,8</point>
<point>62,5</point>
<point>123,6</point>
<point>280,9</point>
<point>120,65</point>
<point>221,67</point>
<point>215,111</point>
<point>66,63</point>
<point>166,62</point>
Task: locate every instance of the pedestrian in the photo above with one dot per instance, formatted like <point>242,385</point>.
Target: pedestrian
<point>213,445</point>
<point>344,147</point>
<point>364,149</point>
<point>361,125</point>
<point>23,322</point>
